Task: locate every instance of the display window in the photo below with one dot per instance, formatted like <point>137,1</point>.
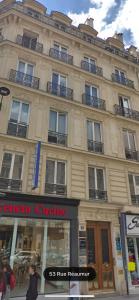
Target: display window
<point>133,259</point>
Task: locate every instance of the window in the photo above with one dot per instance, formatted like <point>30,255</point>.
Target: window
<point>57,128</point>
<point>130,144</point>
<point>94,136</point>
<point>120,76</point>
<point>89,64</point>
<point>91,91</point>
<point>59,83</point>
<point>55,182</point>
<point>11,171</point>
<point>29,41</point>
<point>60,48</point>
<point>124,104</point>
<point>97,183</point>
<point>25,73</point>
<point>19,117</point>
<point>134,187</point>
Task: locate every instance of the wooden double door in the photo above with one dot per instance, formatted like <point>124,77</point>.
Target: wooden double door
<point>99,255</point>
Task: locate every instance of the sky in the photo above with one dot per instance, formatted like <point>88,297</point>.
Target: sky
<point>109,16</point>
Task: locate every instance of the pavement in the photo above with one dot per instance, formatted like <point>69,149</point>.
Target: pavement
<point>108,297</point>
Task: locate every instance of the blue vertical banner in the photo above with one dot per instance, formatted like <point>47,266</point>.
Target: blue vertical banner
<point>36,165</point>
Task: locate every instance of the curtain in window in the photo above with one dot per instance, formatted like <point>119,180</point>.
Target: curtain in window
<point>24,113</point>
<point>100,180</point>
<point>15,111</point>
<point>89,130</point>
<point>92,184</point>
<point>17,169</point>
<point>50,171</point>
<point>62,123</point>
<point>97,132</point>
<point>60,173</point>
<point>53,121</point>
<point>6,165</point>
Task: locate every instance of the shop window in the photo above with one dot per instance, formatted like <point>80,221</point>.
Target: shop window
<point>55,181</point>
<point>11,171</point>
<point>97,184</point>
<point>133,259</point>
<point>19,119</point>
<point>57,128</point>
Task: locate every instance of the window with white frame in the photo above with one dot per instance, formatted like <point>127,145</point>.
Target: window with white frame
<point>26,68</point>
<point>94,136</point>
<point>129,140</point>
<point>134,187</point>
<point>60,48</point>
<point>19,118</point>
<point>91,90</point>
<point>120,75</point>
<point>57,127</point>
<point>11,171</point>
<point>59,79</point>
<point>97,189</point>
<point>124,102</point>
<point>55,181</point>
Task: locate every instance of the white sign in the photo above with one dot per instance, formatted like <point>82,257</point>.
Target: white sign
<point>132,224</point>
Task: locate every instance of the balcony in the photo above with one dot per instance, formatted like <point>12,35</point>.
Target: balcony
<point>10,184</point>
<point>126,112</point>
<point>62,56</point>
<point>17,129</point>
<point>28,43</point>
<point>57,138</point>
<point>97,195</point>
<point>95,146</point>
<point>91,68</point>
<point>24,79</point>
<point>123,80</point>
<point>60,90</point>
<point>135,199</point>
<point>93,102</point>
<point>58,189</point>
<point>131,154</point>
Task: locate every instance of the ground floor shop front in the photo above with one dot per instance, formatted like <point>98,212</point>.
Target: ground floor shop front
<point>41,231</point>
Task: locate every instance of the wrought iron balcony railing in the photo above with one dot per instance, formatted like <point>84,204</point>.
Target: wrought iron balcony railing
<point>97,194</point>
<point>91,68</point>
<point>10,184</point>
<point>57,138</point>
<point>60,55</point>
<point>135,199</point>
<point>126,112</point>
<point>58,189</point>
<point>60,90</point>
<point>24,79</point>
<point>93,101</point>
<point>123,80</point>
<point>132,154</point>
<point>25,42</point>
<point>95,146</point>
<point>17,129</point>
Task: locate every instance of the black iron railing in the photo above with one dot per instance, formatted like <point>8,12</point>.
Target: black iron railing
<point>57,138</point>
<point>135,199</point>
<point>126,112</point>
<point>10,184</point>
<point>123,80</point>
<point>97,194</point>
<point>58,189</point>
<point>24,79</point>
<point>132,154</point>
<point>93,101</point>
<point>27,43</point>
<point>60,55</point>
<point>60,90</point>
<point>17,129</point>
<point>92,68</point>
<point>95,146</point>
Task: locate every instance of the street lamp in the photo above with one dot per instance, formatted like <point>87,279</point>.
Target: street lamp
<point>4,91</point>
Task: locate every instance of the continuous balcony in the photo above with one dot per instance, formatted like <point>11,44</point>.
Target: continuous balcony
<point>10,184</point>
<point>60,90</point>
<point>126,112</point>
<point>17,129</point>
<point>135,199</point>
<point>93,101</point>
<point>62,56</point>
<point>58,189</point>
<point>24,79</point>
<point>123,80</point>
<point>92,68</point>
<point>30,44</point>
<point>97,195</point>
<point>131,154</point>
<point>95,146</point>
<point>57,138</point>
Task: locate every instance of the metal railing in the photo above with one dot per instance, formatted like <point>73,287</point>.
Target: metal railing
<point>95,146</point>
<point>33,45</point>
<point>10,184</point>
<point>97,194</point>
<point>60,90</point>
<point>132,154</point>
<point>62,56</point>
<point>57,138</point>
<point>93,101</point>
<point>126,112</point>
<point>135,199</point>
<point>24,79</point>
<point>58,189</point>
<point>92,68</point>
<point>17,129</point>
<point>123,80</point>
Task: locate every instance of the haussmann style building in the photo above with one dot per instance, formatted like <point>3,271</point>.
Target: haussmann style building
<point>69,150</point>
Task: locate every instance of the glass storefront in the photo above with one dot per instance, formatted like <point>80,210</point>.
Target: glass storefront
<point>44,243</point>
<point>133,259</point>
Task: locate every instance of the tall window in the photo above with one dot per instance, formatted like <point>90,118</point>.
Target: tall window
<point>25,73</point>
<point>29,40</point>
<point>11,171</point>
<point>60,48</point>
<point>19,117</point>
<point>55,181</point>
<point>130,144</point>
<point>120,75</point>
<point>57,128</point>
<point>89,64</point>
<point>59,83</point>
<point>91,91</point>
<point>124,104</point>
<point>134,187</point>
<point>97,183</point>
<point>94,136</point>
